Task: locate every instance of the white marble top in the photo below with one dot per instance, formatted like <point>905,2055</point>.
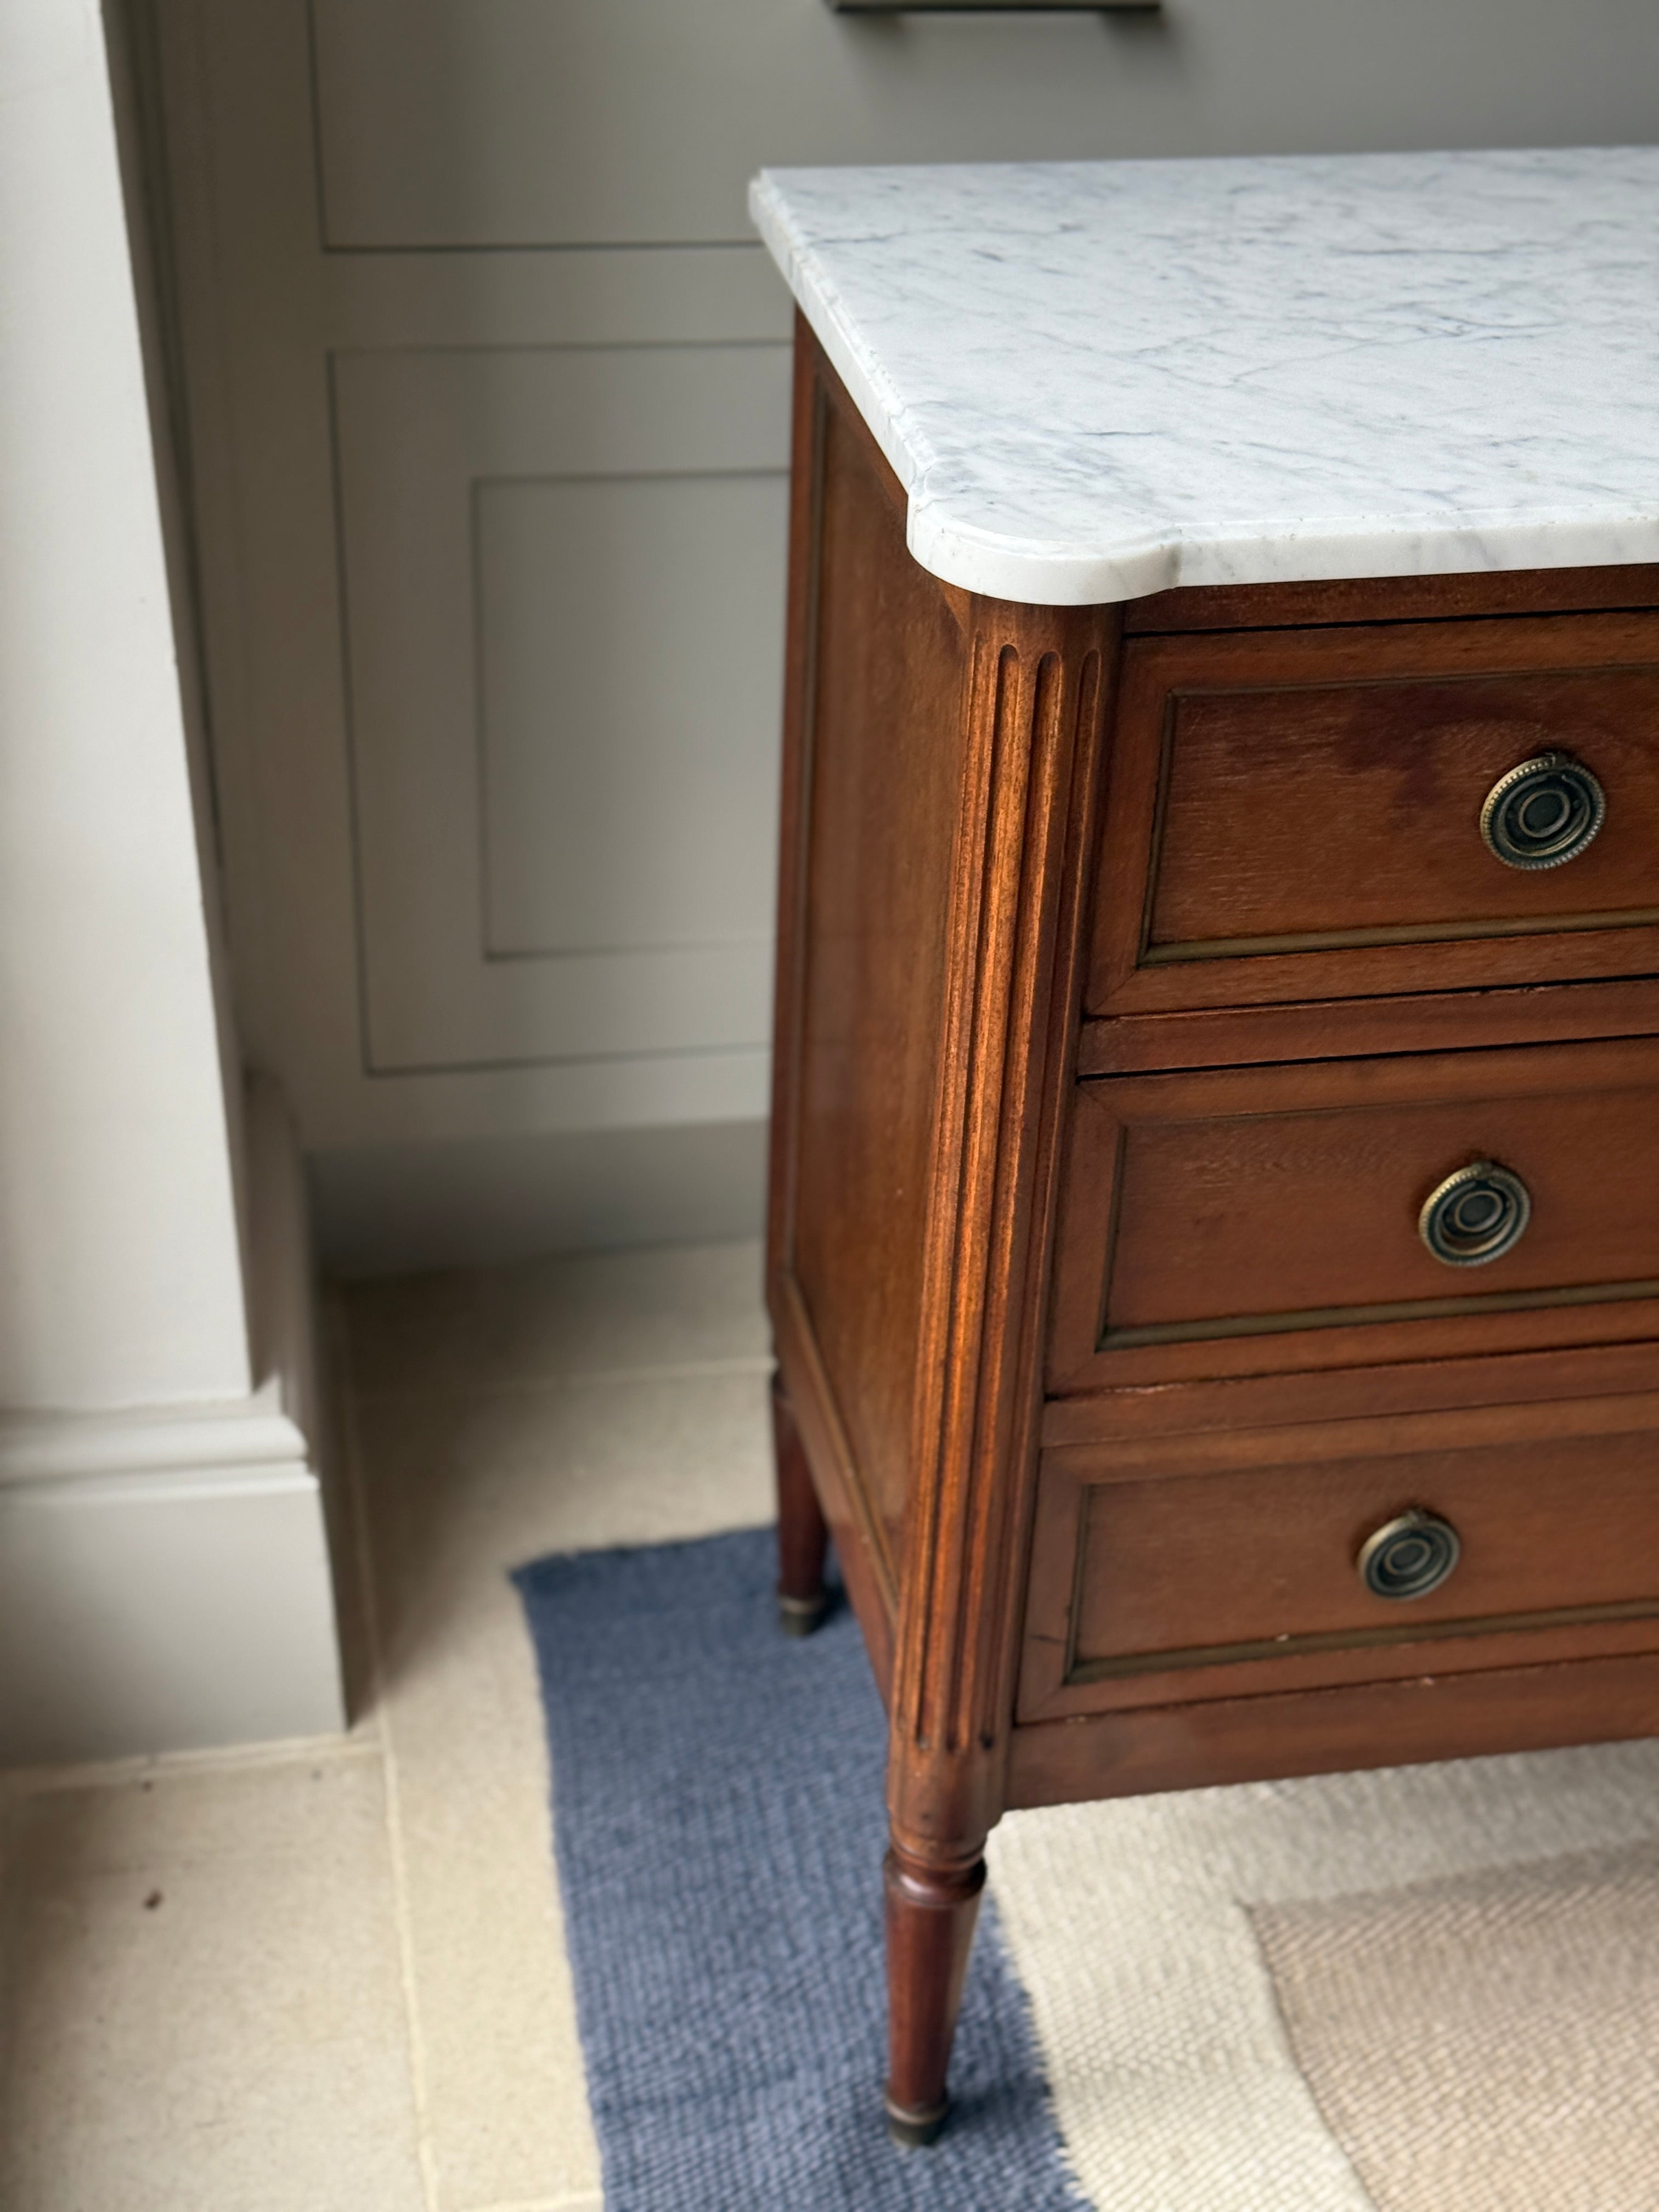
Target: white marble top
<point>1098,379</point>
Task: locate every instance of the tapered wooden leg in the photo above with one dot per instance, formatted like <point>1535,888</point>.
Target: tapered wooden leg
<point>803,1537</point>
<point>931,1912</point>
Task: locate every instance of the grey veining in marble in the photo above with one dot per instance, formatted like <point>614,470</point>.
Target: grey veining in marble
<point>1099,378</point>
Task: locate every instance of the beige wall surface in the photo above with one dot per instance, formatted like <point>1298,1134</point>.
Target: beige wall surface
<point>118,1236</point>
<point>485,383</point>
<point>164,1579</point>
<point>457,123</point>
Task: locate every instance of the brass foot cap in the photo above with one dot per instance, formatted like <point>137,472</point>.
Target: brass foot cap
<point>913,2129</point>
<point>799,1616</point>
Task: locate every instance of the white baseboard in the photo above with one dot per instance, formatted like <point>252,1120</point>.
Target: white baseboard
<point>395,1208</point>
<point>164,1570</point>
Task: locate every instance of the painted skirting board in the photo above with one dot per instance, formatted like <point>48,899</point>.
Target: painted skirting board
<point>164,1578</point>
<point>392,1209</point>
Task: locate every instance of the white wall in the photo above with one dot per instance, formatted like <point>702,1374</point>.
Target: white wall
<point>163,1575</point>
<point>119,1235</point>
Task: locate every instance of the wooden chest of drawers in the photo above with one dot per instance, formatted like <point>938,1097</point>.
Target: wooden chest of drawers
<point>1215,1234</point>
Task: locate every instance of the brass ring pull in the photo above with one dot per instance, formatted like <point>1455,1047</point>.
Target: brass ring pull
<point>1408,1557</point>
<point>1475,1215</point>
<point>1543,813</point>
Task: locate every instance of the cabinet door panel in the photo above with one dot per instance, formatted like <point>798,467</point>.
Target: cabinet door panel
<point>628,751</point>
<point>563,573</point>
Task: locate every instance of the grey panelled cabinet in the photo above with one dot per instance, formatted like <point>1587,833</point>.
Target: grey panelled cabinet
<point>485,384</point>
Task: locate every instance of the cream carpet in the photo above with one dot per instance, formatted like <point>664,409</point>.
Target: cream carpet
<point>1488,2041</point>
<point>1429,1990</point>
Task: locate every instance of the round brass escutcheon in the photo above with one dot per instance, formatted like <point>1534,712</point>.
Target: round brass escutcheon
<point>1408,1557</point>
<point>1475,1215</point>
<point>1543,813</point>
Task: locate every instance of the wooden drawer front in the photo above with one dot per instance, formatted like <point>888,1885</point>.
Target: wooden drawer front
<point>1161,1578</point>
<point>1265,1220</point>
<point>1296,815</point>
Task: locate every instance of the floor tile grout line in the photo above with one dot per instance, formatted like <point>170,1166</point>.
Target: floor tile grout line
<point>425,2150</point>
<point>183,1766</point>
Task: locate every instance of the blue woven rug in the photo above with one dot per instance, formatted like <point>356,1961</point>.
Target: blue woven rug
<point>718,1825</point>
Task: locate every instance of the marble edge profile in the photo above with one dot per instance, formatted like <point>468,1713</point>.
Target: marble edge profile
<point>1117,566</point>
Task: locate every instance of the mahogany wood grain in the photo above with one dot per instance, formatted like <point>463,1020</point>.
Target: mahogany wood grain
<point>1344,1029</point>
<point>1133,1456</point>
<point>862,1540</point>
<point>882,774</point>
<point>1429,1717</point>
<point>788,974</point>
<point>1191,1583</point>
<point>803,1532</point>
<point>1034,714</point>
<point>1296,815</point>
<point>1266,1220</point>
<point>1398,1388</point>
<point>841,1494</point>
<point>1354,810</point>
<point>1392,599</point>
<point>1271,1122</point>
<point>943,765</point>
<point>931,1912</point>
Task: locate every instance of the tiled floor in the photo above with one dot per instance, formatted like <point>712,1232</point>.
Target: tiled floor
<point>329,1976</point>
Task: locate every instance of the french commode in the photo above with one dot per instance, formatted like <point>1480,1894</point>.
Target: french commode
<point>1214,1219</point>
